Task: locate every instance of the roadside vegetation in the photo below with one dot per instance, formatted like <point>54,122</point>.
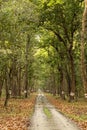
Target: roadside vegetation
<point>17,114</point>
<point>77,111</point>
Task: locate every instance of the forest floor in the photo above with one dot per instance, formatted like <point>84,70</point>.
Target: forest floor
<point>77,111</point>
<point>16,115</point>
<point>47,117</point>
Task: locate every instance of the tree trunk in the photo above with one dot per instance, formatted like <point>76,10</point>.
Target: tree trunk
<point>19,81</point>
<point>72,86</point>
<point>54,85</point>
<point>26,66</point>
<point>7,89</point>
<point>68,78</point>
<point>1,85</point>
<point>14,87</point>
<point>83,43</point>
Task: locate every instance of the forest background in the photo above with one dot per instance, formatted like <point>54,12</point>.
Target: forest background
<point>43,44</point>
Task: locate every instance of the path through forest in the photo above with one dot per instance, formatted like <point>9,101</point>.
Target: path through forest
<point>46,117</point>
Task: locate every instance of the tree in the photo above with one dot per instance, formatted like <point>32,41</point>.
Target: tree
<point>83,48</point>
<point>62,18</point>
<point>15,26</point>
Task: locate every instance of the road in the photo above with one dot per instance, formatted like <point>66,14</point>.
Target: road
<point>47,117</point>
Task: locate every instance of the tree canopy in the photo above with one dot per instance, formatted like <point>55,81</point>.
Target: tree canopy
<point>40,47</point>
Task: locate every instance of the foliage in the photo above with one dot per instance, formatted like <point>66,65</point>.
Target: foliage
<point>40,48</point>
<point>15,25</point>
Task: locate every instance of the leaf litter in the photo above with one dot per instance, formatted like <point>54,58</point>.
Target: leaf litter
<point>77,111</point>
<point>16,115</point>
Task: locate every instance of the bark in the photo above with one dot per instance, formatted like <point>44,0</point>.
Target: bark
<point>7,89</point>
<point>14,87</point>
<point>72,68</point>
<point>13,79</point>
<point>54,85</point>
<point>68,81</point>
<point>83,42</point>
<point>19,81</point>
<point>62,83</point>
<point>26,67</point>
<point>1,85</point>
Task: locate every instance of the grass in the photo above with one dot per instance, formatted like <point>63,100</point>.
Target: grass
<point>76,117</point>
<point>77,111</point>
<point>47,112</point>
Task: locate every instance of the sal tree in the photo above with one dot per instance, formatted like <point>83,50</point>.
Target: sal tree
<point>16,31</point>
<point>84,49</point>
<point>63,19</point>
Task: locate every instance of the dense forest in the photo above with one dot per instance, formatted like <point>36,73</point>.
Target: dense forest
<point>43,45</point>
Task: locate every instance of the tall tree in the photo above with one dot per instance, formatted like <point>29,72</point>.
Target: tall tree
<point>61,17</point>
<point>15,25</point>
<point>83,47</point>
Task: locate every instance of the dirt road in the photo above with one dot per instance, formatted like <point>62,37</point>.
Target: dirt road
<point>46,117</point>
